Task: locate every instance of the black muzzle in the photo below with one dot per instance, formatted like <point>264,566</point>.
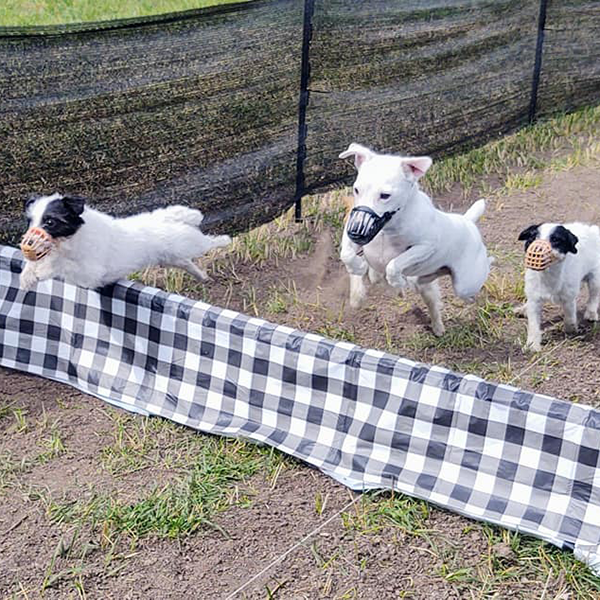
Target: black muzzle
<point>364,224</point>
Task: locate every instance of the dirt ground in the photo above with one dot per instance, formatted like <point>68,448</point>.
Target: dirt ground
<point>355,555</point>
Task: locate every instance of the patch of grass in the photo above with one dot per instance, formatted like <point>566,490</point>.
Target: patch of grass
<point>505,288</point>
<point>54,446</point>
<point>375,511</point>
<point>6,409</point>
<point>523,181</point>
<point>279,239</point>
<point>525,560</point>
<point>51,12</point>
<point>466,331</point>
<point>20,425</point>
<point>10,467</point>
<point>338,332</point>
<point>276,302</point>
<point>582,156</point>
<point>178,508</point>
<point>525,150</point>
<point>501,372</point>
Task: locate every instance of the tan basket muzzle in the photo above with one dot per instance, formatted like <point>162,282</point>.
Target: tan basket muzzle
<point>539,255</point>
<point>36,243</point>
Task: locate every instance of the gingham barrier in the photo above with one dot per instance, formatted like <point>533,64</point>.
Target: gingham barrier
<point>366,418</point>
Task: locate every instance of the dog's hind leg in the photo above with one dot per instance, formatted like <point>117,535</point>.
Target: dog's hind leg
<point>521,310</point>
<point>192,268</point>
<point>591,309</point>
<point>430,292</point>
<point>375,277</point>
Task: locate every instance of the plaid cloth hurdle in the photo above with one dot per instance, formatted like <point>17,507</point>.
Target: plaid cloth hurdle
<point>368,419</point>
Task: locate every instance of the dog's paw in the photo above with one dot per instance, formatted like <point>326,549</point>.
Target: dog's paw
<point>590,315</point>
<point>395,278</point>
<point>438,329</point>
<point>27,280</point>
<point>533,346</point>
<point>520,311</point>
<point>221,241</point>
<point>571,327</point>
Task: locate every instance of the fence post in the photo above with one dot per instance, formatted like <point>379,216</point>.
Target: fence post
<point>309,9</point>
<point>538,60</point>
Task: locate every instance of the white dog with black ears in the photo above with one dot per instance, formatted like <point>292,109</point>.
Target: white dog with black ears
<point>395,232</point>
<point>559,258</point>
<point>71,241</point>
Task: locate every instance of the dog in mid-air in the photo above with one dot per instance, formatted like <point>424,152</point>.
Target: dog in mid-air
<point>558,259</point>
<point>71,241</point>
<point>395,232</point>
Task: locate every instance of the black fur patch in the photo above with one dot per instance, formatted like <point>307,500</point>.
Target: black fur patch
<point>30,200</point>
<point>61,217</point>
<point>530,234</point>
<point>563,240</point>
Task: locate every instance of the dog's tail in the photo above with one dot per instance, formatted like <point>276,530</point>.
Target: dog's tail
<point>474,213</point>
<point>183,214</point>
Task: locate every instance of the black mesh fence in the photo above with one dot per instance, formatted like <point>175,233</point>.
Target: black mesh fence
<point>202,107</point>
<point>198,108</point>
<point>417,76</point>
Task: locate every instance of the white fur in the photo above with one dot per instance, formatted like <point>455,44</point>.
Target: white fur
<point>420,243</point>
<point>105,249</point>
<point>561,282</point>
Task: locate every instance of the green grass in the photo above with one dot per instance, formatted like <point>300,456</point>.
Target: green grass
<point>511,565</point>
<point>515,158</point>
<point>54,12</point>
<point>177,508</point>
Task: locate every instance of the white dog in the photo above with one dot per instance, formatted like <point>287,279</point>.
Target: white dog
<point>92,249</point>
<point>394,231</point>
<point>576,256</point>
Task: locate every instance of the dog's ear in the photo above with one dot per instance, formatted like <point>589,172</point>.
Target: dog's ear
<point>529,234</point>
<point>361,154</point>
<point>416,166</point>
<point>75,204</point>
<point>30,200</point>
<point>563,240</point>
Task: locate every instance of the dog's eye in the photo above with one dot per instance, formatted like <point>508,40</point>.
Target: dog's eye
<point>356,191</point>
<point>384,196</point>
<point>49,222</point>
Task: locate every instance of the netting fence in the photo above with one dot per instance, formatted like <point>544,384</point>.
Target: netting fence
<point>239,110</point>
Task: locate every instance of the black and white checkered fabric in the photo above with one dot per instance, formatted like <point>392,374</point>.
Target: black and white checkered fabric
<point>368,419</point>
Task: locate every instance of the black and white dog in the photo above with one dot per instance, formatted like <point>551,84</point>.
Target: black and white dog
<point>575,249</point>
<point>92,249</point>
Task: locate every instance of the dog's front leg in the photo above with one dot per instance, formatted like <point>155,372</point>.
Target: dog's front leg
<point>358,290</point>
<point>355,264</point>
<point>534,320</point>
<point>28,277</point>
<point>570,311</point>
<point>412,263</point>
<point>357,267</point>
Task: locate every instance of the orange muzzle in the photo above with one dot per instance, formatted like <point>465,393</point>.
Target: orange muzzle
<point>539,255</point>
<point>36,243</point>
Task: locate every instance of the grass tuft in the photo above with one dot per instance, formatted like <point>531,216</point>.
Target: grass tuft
<point>178,508</point>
